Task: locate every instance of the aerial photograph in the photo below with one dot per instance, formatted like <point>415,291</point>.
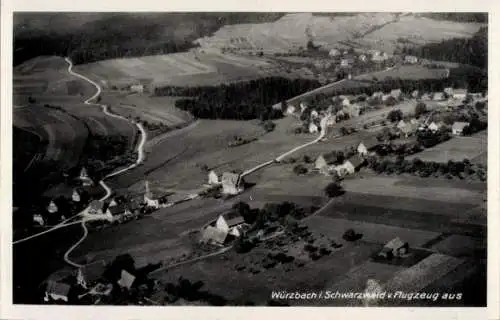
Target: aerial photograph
<point>300,159</point>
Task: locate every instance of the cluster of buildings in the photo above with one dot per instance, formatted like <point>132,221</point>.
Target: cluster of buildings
<point>348,58</point>
<point>224,230</point>
<point>89,280</point>
<point>232,183</point>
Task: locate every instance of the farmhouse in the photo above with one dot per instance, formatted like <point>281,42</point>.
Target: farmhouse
<point>38,219</point>
<point>386,97</point>
<point>75,196</point>
<point>303,107</point>
<point>313,128</point>
<point>112,203</point>
<point>290,110</point>
<point>378,58</point>
<point>314,114</point>
<point>323,163</point>
<point>415,94</point>
<point>460,94</point>
<point>117,212</point>
<point>394,248</point>
<point>139,88</point>
<point>458,127</point>
<point>213,235</point>
<point>438,96</point>
<point>396,93</point>
<point>350,166</point>
<point>52,208</point>
<point>155,199</point>
<point>84,178</point>
<point>57,291</point>
<point>362,58</point>
<point>230,226</point>
<point>448,91</point>
<point>434,126</point>
<point>96,207</point>
<point>346,102</point>
<point>89,275</point>
<point>345,62</point>
<point>126,280</point>
<point>411,59</point>
<point>378,94</point>
<point>425,97</point>
<point>213,179</point>
<point>334,53</point>
<point>232,183</point>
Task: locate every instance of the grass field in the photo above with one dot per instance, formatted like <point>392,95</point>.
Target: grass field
<point>457,149</point>
<point>407,72</point>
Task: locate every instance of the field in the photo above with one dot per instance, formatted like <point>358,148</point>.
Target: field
<point>197,67</point>
<point>457,149</point>
<point>407,72</point>
<point>148,108</point>
<point>66,136</point>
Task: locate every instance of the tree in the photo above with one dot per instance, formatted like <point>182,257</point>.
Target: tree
<point>420,109</point>
<point>299,169</point>
<point>31,99</point>
<point>243,209</point>
<point>334,189</point>
<point>351,235</point>
<point>268,125</point>
<point>307,159</point>
<point>395,115</point>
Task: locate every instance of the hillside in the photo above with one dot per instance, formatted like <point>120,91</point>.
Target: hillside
<point>97,36</point>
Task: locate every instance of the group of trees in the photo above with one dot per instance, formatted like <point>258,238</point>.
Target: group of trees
<point>475,125</point>
<point>395,115</point>
<point>334,189</point>
<point>191,291</point>
<point>416,166</point>
<point>239,101</point>
<point>117,35</point>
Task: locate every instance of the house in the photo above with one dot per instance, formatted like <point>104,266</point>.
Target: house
<point>126,280</point>
<point>112,203</point>
<point>386,97</point>
<point>290,110</point>
<point>232,183</point>
<point>353,164</point>
<point>88,275</point>
<point>52,208</point>
<point>303,107</point>
<point>448,91</point>
<point>425,97</point>
<point>313,128</point>
<point>314,114</point>
<point>212,235</point>
<point>411,59</point>
<point>230,226</point>
<point>362,58</point>
<point>378,58</point>
<point>401,124</point>
<point>415,94</point>
<point>394,248</point>
<point>346,102</point>
<point>438,96</point>
<point>334,53</point>
<point>117,212</point>
<point>396,93</point>
<point>434,126</point>
<point>56,290</point>
<point>38,219</point>
<point>367,145</point>
<point>414,121</point>
<point>373,52</point>
<point>344,62</point>
<point>75,196</point>
<point>84,178</point>
<point>320,162</point>
<point>213,179</point>
<point>378,94</point>
<point>458,127</point>
<point>137,88</point>
<point>96,207</point>
<point>460,94</point>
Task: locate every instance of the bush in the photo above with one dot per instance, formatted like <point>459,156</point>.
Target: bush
<point>334,189</point>
<point>351,235</point>
<point>420,109</point>
<point>395,115</point>
<point>299,169</point>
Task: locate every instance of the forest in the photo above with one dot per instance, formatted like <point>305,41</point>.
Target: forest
<point>476,17</point>
<point>118,35</point>
<point>472,51</point>
<point>239,101</point>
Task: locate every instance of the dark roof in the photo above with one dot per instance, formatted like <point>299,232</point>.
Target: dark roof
<point>59,288</point>
<point>330,157</point>
<point>370,143</point>
<point>133,205</point>
<point>356,161</point>
<point>235,221</point>
<point>93,271</point>
<point>96,205</point>
<point>118,209</point>
<point>158,195</point>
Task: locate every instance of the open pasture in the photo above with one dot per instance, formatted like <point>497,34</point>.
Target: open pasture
<point>456,149</point>
<point>461,246</point>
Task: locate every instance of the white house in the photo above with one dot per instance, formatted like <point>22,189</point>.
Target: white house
<point>314,114</point>
<point>151,200</point>
<point>313,128</point>
<point>84,178</point>
<point>38,219</point>
<point>232,183</point>
<point>362,150</point>
<point>303,107</point>
<point>458,127</point>
<point>362,58</point>
<point>344,63</point>
<point>434,127</point>
<point>438,96</point>
<point>401,124</point>
<point>460,94</point>
<point>415,94</point>
<point>334,53</point>
<point>320,162</point>
<point>112,203</point>
<point>213,179</point>
<point>137,88</point>
<point>346,102</point>
<point>231,226</point>
<point>411,59</point>
<point>394,248</point>
<point>75,196</point>
<point>126,280</point>
<point>52,208</point>
<point>378,94</point>
<point>396,93</point>
<point>448,91</point>
<point>290,110</point>
<point>214,235</point>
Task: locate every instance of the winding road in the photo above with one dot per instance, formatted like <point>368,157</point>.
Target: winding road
<point>140,159</point>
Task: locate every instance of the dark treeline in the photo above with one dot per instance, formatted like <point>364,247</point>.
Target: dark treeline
<point>116,35</point>
<point>472,51</point>
<point>477,17</point>
<point>240,101</point>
